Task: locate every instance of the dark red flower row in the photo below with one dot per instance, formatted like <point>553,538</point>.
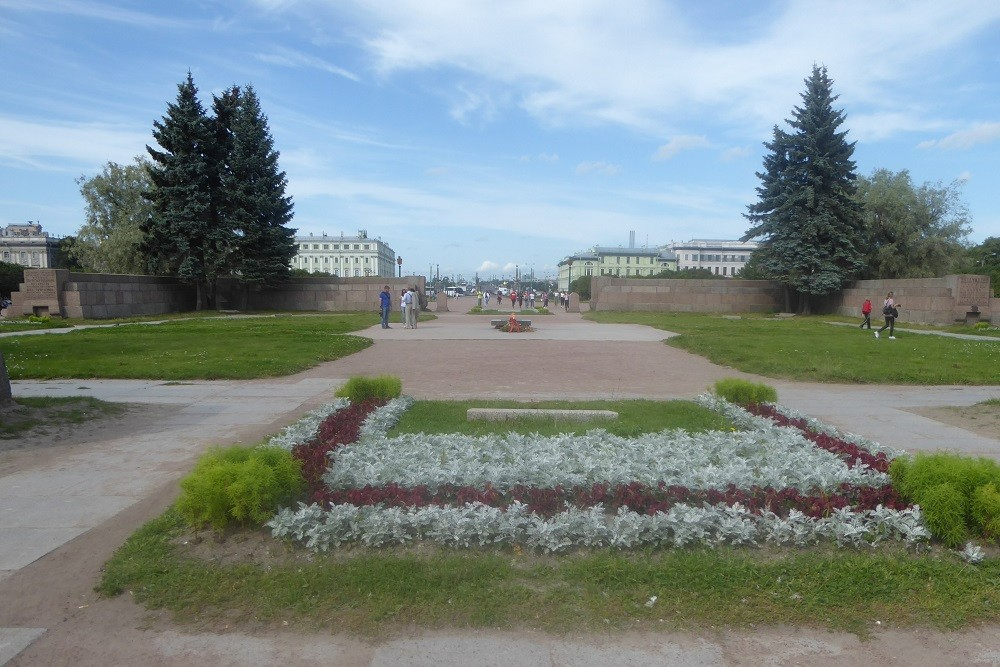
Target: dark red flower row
<point>851,453</point>
<point>343,427</point>
<point>340,428</point>
<point>636,496</point>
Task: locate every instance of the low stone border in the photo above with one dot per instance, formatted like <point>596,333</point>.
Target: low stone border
<point>504,414</point>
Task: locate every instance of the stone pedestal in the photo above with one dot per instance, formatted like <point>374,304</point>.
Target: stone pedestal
<point>574,303</point>
<point>442,303</point>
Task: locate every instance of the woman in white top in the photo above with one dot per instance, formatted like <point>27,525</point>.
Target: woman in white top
<point>890,313</point>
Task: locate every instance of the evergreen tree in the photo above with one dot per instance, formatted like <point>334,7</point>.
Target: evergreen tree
<point>184,235</point>
<point>806,214</point>
<point>253,186</point>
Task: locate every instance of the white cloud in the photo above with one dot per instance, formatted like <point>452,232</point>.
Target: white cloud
<point>981,133</point>
<point>733,154</point>
<point>678,144</point>
<point>82,145</point>
<point>487,266</point>
<point>295,59</point>
<point>597,168</point>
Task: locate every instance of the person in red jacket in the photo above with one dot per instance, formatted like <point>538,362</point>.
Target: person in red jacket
<point>866,310</point>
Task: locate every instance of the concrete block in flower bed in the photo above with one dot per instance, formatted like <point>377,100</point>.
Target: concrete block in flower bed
<point>505,414</point>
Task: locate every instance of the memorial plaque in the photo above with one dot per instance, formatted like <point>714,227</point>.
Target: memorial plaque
<point>41,285</point>
<point>972,290</point>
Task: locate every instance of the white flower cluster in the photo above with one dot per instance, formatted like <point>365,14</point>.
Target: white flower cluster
<point>779,458</point>
<point>305,429</point>
<point>476,524</point>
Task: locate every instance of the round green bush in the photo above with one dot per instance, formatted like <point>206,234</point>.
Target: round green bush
<point>744,392</point>
<point>944,510</point>
<point>240,485</point>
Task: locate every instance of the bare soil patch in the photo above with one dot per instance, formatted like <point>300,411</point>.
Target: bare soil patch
<point>982,419</point>
<point>58,429</point>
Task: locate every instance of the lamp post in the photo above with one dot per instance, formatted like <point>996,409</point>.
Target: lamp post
<point>399,262</point>
<point>569,282</point>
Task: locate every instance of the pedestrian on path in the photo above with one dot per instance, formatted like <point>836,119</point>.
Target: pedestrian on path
<point>890,313</point>
<point>414,305</point>
<point>866,310</point>
<point>403,309</point>
<point>385,304</point>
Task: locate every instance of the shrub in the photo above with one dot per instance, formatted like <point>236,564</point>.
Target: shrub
<point>359,389</point>
<point>744,392</point>
<point>973,481</point>
<point>239,485</point>
<point>944,509</point>
<point>986,510</point>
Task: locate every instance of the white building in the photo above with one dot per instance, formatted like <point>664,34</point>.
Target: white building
<point>28,246</point>
<point>344,256</point>
<point>723,258</point>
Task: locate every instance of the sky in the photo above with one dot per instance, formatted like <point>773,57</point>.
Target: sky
<point>474,137</point>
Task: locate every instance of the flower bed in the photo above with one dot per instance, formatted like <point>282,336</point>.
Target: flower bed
<point>781,480</point>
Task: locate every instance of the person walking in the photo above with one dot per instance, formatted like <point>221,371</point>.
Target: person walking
<point>404,308</point>
<point>890,312</point>
<point>385,304</point>
<point>513,298</point>
<point>866,310</point>
<point>486,300</point>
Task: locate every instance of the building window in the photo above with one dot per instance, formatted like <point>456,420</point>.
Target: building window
<point>326,260</point>
<point>357,246</point>
<point>357,273</point>
<point>367,247</point>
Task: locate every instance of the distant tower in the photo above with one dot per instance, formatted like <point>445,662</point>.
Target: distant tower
<point>631,239</point>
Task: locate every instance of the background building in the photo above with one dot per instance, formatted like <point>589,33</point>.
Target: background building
<point>723,258</point>
<point>344,256</point>
<point>28,246</point>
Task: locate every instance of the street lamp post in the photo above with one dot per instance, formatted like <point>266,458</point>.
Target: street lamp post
<point>399,262</point>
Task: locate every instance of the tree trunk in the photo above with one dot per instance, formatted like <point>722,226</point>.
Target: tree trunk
<point>6,397</point>
<point>804,305</point>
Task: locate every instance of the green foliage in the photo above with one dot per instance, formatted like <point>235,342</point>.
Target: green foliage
<point>944,510</point>
<point>361,388</point>
<point>958,493</point>
<point>912,232</point>
<point>806,214</point>
<point>581,286</point>
<point>11,277</point>
<point>116,206</point>
<point>240,485</point>
<point>986,510</point>
<point>744,392</point>
<point>253,192</point>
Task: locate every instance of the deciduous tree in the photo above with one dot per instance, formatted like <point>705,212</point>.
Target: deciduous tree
<point>116,208</point>
<point>910,231</point>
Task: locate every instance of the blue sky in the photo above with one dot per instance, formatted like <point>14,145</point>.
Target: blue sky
<point>473,136</point>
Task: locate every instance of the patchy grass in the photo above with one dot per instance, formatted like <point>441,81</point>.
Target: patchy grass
<point>37,412</point>
<point>634,418</point>
<point>378,592</point>
<point>810,349</point>
<point>195,349</point>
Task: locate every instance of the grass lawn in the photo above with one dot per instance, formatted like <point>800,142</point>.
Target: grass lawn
<point>634,418</point>
<point>811,349</point>
<point>244,577</point>
<point>195,349</point>
<point>33,412</point>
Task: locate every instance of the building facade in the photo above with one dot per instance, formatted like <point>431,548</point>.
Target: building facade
<point>344,256</point>
<point>723,258</point>
<point>620,262</point>
<point>28,246</point>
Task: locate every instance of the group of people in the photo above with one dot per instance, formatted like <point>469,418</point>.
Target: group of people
<point>410,303</point>
<point>890,311</point>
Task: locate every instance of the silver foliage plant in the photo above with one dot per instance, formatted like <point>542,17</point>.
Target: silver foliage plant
<point>305,429</point>
<point>475,524</point>
<point>761,453</point>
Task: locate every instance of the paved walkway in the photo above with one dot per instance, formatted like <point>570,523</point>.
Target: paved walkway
<point>111,486</point>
